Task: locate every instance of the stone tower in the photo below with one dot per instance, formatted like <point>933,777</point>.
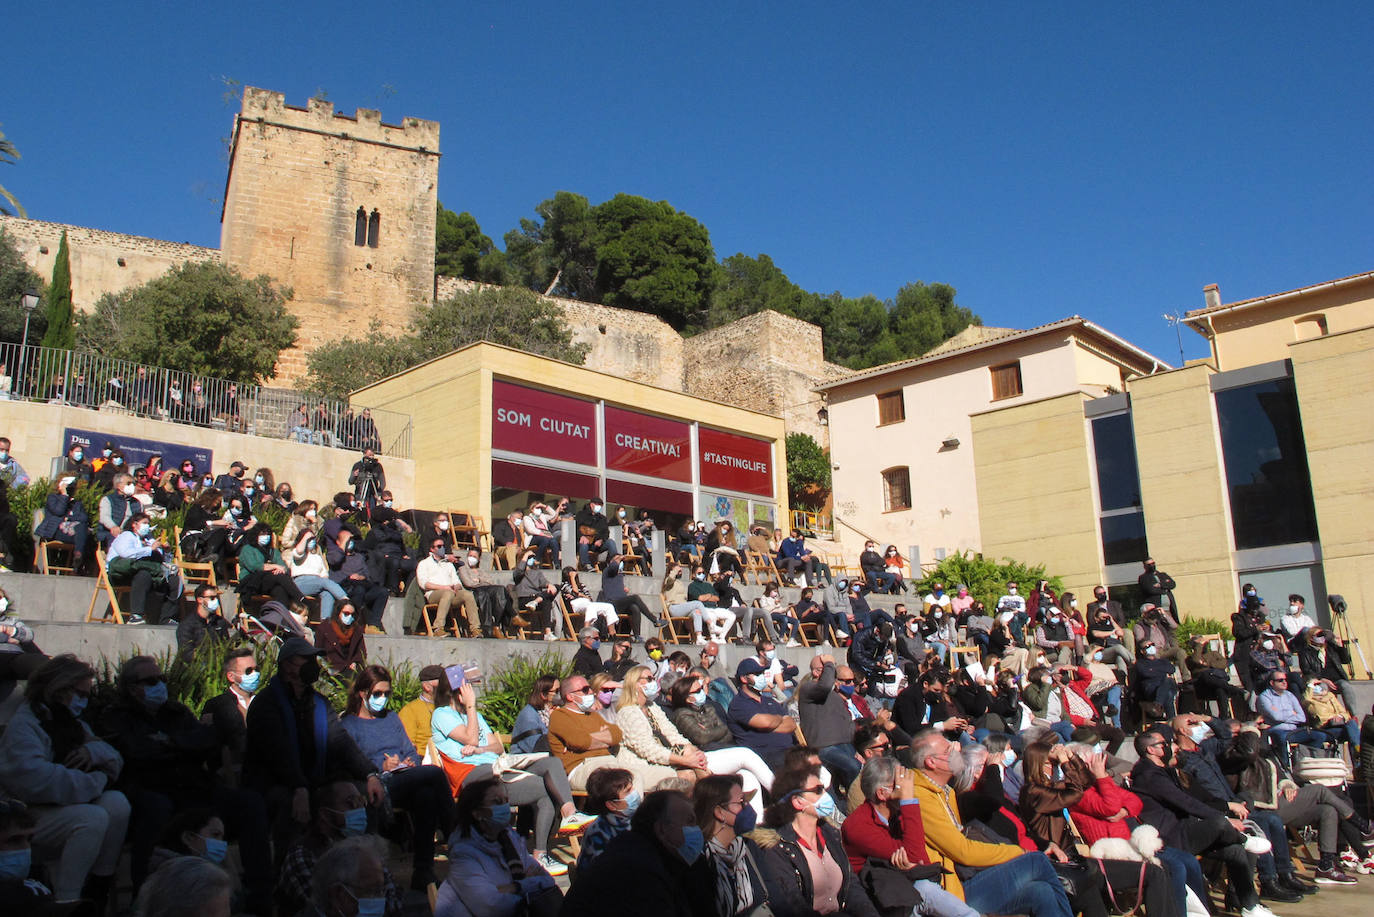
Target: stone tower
<point>339,208</point>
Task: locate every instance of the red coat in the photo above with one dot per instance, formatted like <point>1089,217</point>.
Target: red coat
<point>864,835</point>
<point>1101,801</point>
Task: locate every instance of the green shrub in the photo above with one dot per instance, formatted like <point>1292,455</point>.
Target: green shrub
<point>192,682</point>
<point>508,687</point>
<point>1191,627</point>
<point>986,580</point>
<point>274,515</point>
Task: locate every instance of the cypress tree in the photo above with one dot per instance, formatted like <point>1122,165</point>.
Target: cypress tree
<point>61,331</point>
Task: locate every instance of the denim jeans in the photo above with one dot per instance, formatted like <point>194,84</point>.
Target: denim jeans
<point>842,762</point>
<point>1272,825</point>
<point>328,591</point>
<point>1025,885</point>
<point>936,902</point>
<point>1184,871</point>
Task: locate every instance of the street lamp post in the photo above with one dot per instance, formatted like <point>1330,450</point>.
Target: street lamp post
<point>29,300</point>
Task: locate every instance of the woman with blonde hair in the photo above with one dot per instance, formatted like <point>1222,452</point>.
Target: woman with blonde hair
<point>651,747</point>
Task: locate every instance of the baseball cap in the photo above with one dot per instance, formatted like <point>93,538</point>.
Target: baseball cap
<point>297,646</point>
<point>749,666</point>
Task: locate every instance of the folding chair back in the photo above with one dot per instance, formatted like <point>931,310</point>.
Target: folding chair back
<point>103,587</point>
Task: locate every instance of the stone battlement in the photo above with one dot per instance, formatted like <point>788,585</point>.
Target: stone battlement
<point>365,124</point>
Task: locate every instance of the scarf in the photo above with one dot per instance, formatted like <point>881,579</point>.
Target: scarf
<point>734,890</point>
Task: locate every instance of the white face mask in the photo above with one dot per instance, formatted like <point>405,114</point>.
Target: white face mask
<point>1268,644</point>
<point>128,490</point>
<point>443,525</point>
<point>1294,609</point>
<point>472,561</point>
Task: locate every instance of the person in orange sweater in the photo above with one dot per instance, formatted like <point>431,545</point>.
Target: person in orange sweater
<point>582,740</point>
<point>888,826</point>
<point>1009,880</point>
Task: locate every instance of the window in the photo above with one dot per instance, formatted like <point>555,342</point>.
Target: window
<point>891,408</point>
<point>1265,456</point>
<point>896,489</point>
<point>1006,380</point>
<point>374,229</point>
<point>1118,490</point>
<point>360,228</point>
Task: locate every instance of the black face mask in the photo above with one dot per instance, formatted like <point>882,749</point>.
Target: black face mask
<point>310,672</point>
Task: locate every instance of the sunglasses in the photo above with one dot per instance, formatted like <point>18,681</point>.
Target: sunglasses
<point>588,689</point>
<point>381,693</point>
<point>845,681</point>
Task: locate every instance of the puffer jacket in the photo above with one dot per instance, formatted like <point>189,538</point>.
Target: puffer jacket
<point>945,840</point>
<point>788,877</point>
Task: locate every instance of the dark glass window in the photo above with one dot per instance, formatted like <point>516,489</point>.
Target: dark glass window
<point>1123,539</point>
<point>1118,476</point>
<point>374,229</point>
<point>1266,465</point>
<point>360,227</point>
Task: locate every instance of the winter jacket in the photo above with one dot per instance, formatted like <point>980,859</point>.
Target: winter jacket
<point>788,877</point>
<point>945,840</point>
<point>29,773</point>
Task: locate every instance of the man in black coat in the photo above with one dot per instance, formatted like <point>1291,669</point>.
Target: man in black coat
<point>593,534</point>
<point>587,660</point>
<point>168,760</point>
<point>1185,821</point>
<point>294,742</point>
<point>1159,587</point>
<point>654,868</point>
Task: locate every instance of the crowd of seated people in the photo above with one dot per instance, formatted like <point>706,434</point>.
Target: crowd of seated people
<point>698,791</point>
<point>974,751</point>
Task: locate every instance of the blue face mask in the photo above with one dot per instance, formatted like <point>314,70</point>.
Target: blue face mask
<point>155,695</point>
<point>215,849</point>
<point>632,802</point>
<point>1058,773</point>
<point>250,683</point>
<point>1008,758</point>
<point>693,842</point>
<point>376,704</point>
<point>369,907</point>
<point>144,529</point>
<point>847,690</point>
<point>825,806</point>
<point>745,819</point>
<point>355,822</point>
<point>500,815</point>
<point>15,864</point>
<point>77,705</point>
<point>596,644</point>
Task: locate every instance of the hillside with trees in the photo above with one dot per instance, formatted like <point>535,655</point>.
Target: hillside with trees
<point>634,253</point>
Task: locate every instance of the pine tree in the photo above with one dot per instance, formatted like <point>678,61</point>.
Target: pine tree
<point>61,333</point>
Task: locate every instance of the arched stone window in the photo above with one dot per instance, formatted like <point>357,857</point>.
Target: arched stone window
<point>374,229</point>
<point>360,228</point>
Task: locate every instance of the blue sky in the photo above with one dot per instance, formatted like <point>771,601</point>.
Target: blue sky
<point>1045,159</point>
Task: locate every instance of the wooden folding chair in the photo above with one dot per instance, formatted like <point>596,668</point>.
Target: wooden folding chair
<point>465,528</point>
<point>679,628</point>
<point>427,614</point>
<point>810,633</point>
<point>637,560</point>
<point>103,586</point>
<point>42,559</point>
<point>194,573</point>
<point>958,654</point>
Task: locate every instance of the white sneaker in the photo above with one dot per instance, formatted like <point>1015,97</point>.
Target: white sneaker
<point>575,822</point>
<point>549,637</point>
<point>1256,910</point>
<point>792,644</point>
<point>1257,844</point>
<point>701,641</point>
<point>555,867</point>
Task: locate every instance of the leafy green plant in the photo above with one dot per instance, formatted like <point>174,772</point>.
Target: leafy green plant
<point>192,681</point>
<point>986,579</point>
<point>273,514</point>
<point>508,687</point>
<point>1189,628</point>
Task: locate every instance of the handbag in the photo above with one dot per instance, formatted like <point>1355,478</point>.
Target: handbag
<point>1111,893</point>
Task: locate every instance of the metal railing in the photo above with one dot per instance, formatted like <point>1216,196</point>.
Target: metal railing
<point>102,383</point>
<point>817,525</point>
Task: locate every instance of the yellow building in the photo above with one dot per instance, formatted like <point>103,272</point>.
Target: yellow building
<point>495,429</point>
<point>1253,467</point>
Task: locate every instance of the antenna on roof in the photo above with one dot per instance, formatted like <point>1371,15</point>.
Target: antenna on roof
<point>1176,319</point>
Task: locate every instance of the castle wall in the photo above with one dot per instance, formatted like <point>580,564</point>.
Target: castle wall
<point>96,256</point>
<point>297,178</point>
<point>767,362</point>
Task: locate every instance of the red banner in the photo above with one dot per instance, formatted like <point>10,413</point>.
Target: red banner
<point>643,444</point>
<point>535,422</point>
<point>730,462</point>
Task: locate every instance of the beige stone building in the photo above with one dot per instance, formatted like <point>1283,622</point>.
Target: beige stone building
<point>1251,467</point>
<point>902,445</point>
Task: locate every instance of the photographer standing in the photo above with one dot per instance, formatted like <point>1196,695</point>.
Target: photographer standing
<point>368,479</point>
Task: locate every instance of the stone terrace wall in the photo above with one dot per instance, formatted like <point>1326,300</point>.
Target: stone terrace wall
<point>632,345</point>
<point>767,362</point>
<point>96,256</point>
